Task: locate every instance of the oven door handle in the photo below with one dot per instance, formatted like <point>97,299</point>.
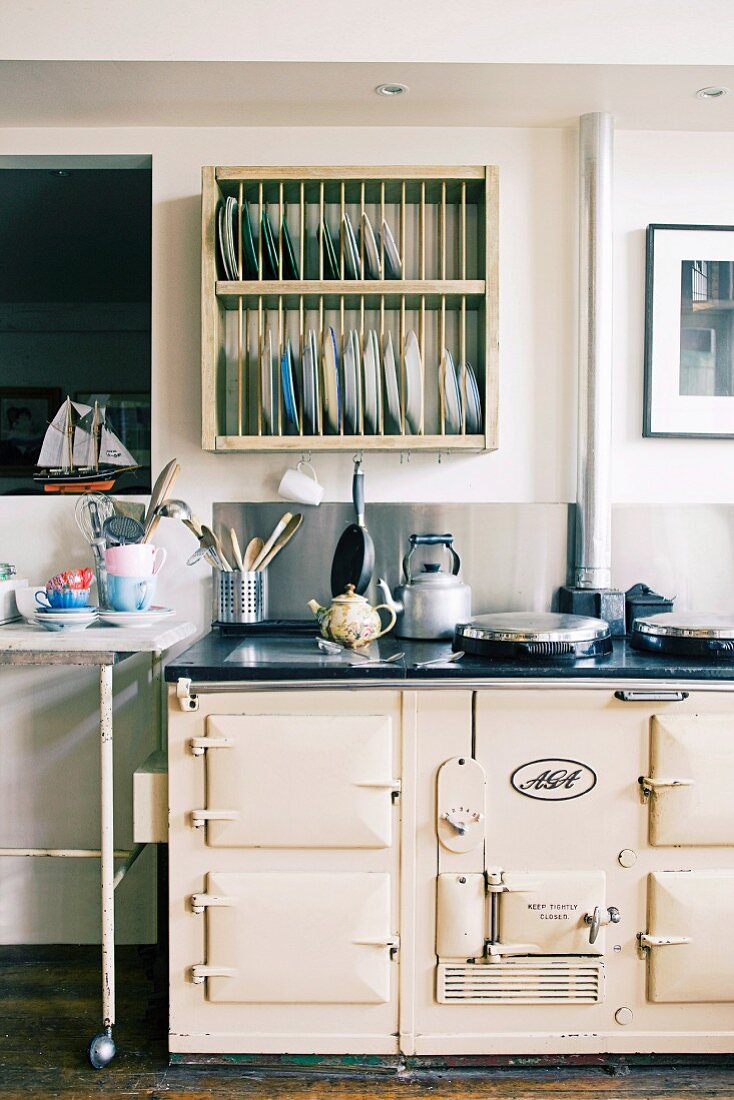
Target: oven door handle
<point>659,696</point>
<point>498,950</point>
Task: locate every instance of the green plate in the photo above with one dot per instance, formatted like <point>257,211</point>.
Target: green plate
<point>289,257</point>
<point>270,252</point>
<point>249,252</point>
<point>331,264</point>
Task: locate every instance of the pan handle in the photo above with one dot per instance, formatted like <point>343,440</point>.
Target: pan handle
<point>358,491</point>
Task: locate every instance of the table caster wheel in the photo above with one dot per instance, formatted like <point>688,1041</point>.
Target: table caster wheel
<point>102,1049</point>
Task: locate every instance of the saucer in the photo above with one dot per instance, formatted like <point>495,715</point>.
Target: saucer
<point>60,621</point>
<point>132,620</point>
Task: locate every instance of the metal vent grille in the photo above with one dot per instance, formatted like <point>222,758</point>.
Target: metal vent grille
<point>559,980</point>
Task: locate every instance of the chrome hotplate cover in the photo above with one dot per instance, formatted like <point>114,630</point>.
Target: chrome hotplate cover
<point>534,626</point>
<point>686,624</point>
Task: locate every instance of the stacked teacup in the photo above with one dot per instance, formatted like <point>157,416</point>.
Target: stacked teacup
<point>132,572</point>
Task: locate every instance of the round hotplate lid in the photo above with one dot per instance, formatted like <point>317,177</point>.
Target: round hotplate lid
<point>534,626</point>
<point>686,624</point>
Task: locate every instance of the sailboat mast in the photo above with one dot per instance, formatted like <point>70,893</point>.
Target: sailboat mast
<point>96,434</point>
<point>69,433</point>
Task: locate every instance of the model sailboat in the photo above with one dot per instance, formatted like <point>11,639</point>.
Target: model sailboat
<point>80,452</point>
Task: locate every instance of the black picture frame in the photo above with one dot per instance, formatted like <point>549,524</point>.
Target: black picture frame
<point>649,340</point>
<point>20,445</point>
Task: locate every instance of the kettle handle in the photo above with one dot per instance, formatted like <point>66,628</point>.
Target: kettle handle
<point>431,540</point>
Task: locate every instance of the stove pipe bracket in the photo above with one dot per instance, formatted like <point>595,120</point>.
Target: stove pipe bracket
<point>591,592</point>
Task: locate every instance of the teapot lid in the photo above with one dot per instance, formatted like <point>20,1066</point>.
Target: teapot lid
<point>349,595</point>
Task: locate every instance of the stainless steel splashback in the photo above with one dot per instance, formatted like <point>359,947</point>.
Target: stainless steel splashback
<point>514,556</point>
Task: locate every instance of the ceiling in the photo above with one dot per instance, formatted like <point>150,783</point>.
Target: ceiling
<point>210,93</point>
<point>600,32</point>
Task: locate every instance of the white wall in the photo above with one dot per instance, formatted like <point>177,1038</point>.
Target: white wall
<point>659,177</point>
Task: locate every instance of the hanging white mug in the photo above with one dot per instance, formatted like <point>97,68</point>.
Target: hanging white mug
<point>302,487</point>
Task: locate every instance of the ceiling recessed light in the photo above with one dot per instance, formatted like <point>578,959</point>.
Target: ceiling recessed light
<point>392,89</point>
<point>715,91</point>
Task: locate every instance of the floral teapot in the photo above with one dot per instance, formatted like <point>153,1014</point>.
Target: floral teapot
<point>350,620</point>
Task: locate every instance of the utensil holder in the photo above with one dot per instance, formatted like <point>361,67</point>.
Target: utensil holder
<point>240,597</point>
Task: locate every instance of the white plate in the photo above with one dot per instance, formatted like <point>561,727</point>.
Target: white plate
<point>451,394</point>
<point>229,220</point>
<point>392,386</point>
<point>221,236</point>
<point>372,392</point>
<point>313,342</point>
<point>136,620</point>
<point>351,252</point>
<point>266,381</point>
<point>372,255</point>
<point>352,388</point>
<point>473,400</point>
<point>330,368</point>
<point>413,383</point>
<point>392,256</point>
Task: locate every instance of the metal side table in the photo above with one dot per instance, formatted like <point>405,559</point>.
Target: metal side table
<point>102,647</point>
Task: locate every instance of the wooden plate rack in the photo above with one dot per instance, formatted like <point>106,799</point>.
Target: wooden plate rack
<point>445,223</point>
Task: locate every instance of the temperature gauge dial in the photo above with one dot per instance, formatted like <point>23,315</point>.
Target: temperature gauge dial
<point>460,804</point>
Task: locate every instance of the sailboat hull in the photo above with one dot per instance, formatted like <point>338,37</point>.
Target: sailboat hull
<point>81,480</point>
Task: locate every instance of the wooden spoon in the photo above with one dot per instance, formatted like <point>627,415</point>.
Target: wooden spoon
<point>157,494</point>
<point>283,539</point>
<point>165,491</point>
<point>236,549</point>
<point>252,553</point>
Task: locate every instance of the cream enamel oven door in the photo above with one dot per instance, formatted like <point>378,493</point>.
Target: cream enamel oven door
<point>299,938</point>
<point>688,788</point>
<point>543,912</point>
<point>690,914</point>
<point>312,781</point>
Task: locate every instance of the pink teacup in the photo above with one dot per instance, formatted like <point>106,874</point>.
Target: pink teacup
<point>137,559</point>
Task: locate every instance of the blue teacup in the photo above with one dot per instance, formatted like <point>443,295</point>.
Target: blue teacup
<point>63,599</point>
<point>130,593</point>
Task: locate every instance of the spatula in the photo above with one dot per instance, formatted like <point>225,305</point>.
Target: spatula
<point>236,549</point>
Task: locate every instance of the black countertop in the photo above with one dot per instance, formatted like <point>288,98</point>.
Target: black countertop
<point>277,658</point>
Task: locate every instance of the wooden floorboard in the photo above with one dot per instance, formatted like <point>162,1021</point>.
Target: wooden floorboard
<point>49,1009</point>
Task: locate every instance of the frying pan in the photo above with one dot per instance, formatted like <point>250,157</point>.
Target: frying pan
<point>354,557</point>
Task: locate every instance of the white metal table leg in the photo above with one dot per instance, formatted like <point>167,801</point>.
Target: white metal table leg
<point>102,1047</point>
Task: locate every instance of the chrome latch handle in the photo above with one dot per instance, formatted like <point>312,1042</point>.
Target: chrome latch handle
<point>598,919</point>
<point>649,784</point>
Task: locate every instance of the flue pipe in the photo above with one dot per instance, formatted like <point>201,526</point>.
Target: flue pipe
<point>593,494</point>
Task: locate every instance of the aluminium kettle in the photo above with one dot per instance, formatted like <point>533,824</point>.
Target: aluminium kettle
<point>431,602</point>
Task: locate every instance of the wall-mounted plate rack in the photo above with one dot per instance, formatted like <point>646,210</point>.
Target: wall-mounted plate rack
<point>411,250</point>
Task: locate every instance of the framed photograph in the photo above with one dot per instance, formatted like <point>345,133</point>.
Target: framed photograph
<point>25,414</point>
<point>689,331</point>
<point>129,417</point>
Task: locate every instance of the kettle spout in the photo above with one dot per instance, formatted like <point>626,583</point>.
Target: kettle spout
<point>393,604</point>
